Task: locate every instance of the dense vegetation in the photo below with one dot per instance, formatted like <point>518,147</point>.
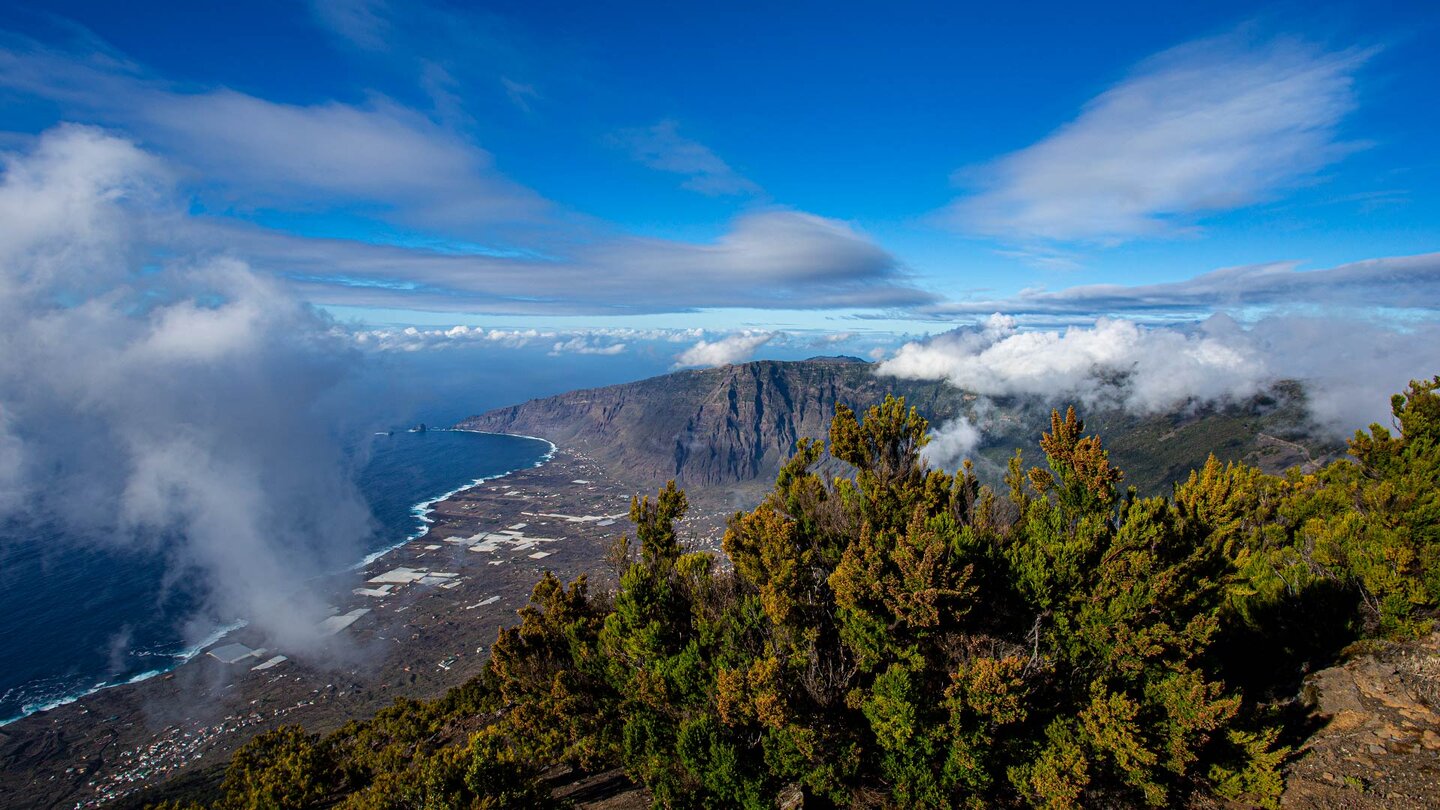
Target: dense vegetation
<point>905,637</point>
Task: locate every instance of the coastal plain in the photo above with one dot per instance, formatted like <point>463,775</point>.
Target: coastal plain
<point>414,623</point>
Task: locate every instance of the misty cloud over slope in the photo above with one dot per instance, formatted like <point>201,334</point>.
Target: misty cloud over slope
<point>154,398</point>
<point>1350,366</point>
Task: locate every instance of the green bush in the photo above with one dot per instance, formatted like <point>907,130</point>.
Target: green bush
<point>899,636</point>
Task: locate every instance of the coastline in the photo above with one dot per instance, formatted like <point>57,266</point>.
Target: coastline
<point>181,658</point>
<point>417,641</point>
<point>421,511</point>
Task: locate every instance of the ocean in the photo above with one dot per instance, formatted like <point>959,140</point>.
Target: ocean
<point>79,616</point>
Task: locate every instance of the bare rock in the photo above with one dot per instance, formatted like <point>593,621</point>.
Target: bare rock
<point>1377,747</point>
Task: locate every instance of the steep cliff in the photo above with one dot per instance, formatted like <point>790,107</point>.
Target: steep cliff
<point>735,425</point>
<point>707,427</point>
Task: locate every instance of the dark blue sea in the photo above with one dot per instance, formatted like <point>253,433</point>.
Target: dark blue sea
<point>76,617</point>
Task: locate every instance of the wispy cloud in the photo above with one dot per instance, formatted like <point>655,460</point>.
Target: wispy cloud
<point>1401,282</point>
<point>361,23</point>
<point>766,260</point>
<point>1209,126</point>
<point>663,148</point>
<point>736,348</point>
<point>381,158</point>
<point>519,93</point>
<point>383,161</point>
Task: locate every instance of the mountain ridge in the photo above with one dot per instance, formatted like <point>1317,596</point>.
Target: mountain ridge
<point>731,427</point>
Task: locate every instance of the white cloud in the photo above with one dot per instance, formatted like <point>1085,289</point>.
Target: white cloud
<point>1350,366</point>
<point>736,348</point>
<point>413,339</point>
<point>594,340</point>
<point>586,345</point>
<point>1209,126</point>
<point>1400,282</point>
<point>380,153</point>
<point>663,148</point>
<point>384,161</point>
<point>767,260</point>
<point>149,396</point>
<point>951,444</point>
<point>399,164</point>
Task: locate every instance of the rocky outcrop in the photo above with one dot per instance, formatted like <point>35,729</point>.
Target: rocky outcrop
<point>1377,744</point>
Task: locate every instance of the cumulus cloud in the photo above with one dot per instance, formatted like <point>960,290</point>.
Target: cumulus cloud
<point>1400,282</point>
<point>147,397</point>
<point>413,339</point>
<point>1118,363</point>
<point>1209,126</point>
<point>736,348</point>
<point>663,148</point>
<point>586,345</point>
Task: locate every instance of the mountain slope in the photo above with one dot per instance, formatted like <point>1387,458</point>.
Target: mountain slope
<point>707,427</point>
<point>735,425</point>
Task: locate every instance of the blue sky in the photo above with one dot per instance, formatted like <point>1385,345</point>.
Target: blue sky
<point>812,166</point>
<point>231,232</point>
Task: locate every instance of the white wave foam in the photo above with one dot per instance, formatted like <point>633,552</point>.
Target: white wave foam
<point>423,509</point>
<point>27,709</point>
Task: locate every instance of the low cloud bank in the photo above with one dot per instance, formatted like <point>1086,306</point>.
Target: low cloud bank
<point>1350,367</point>
<point>147,398</point>
<point>600,340</point>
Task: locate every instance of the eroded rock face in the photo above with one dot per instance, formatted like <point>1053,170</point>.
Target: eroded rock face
<point>1379,742</point>
<point>709,427</point>
<point>735,425</point>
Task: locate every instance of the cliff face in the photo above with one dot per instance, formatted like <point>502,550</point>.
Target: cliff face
<point>709,427</point>
<point>734,426</point>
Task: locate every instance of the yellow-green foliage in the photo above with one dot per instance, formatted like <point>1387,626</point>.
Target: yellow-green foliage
<point>904,637</point>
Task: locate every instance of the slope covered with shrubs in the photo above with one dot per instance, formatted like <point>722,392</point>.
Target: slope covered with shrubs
<point>904,637</point>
